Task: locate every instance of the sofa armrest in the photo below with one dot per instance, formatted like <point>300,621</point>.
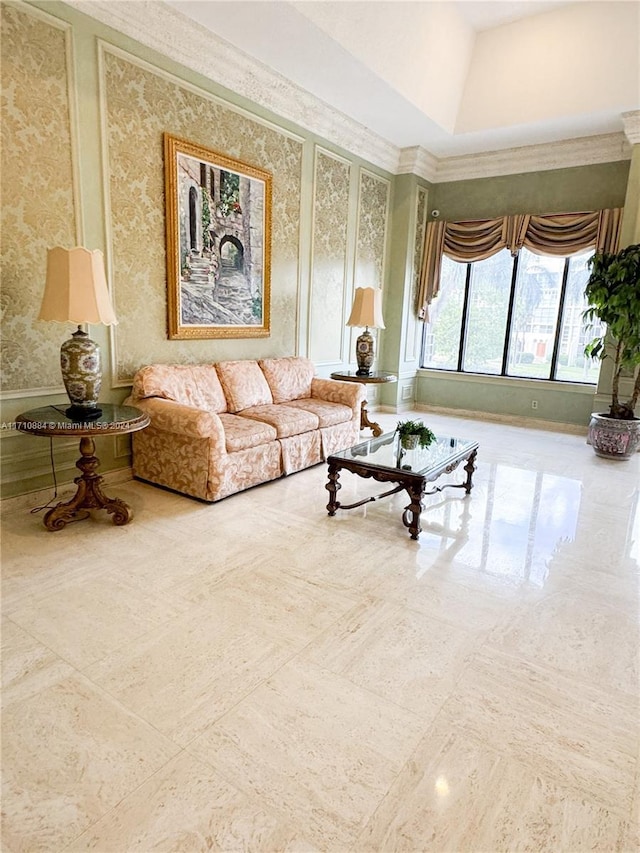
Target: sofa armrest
<point>169,416</point>
<point>348,393</point>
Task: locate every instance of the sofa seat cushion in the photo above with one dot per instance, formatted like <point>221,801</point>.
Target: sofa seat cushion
<point>243,433</point>
<point>289,378</point>
<point>194,385</point>
<point>287,420</point>
<point>329,414</point>
<point>244,385</point>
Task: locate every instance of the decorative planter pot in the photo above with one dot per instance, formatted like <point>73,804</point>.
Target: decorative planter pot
<point>409,442</point>
<point>613,438</point>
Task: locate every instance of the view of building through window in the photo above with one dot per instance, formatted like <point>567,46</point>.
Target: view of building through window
<point>512,317</point>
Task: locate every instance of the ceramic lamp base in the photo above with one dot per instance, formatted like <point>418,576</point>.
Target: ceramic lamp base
<point>364,353</point>
<point>82,374</point>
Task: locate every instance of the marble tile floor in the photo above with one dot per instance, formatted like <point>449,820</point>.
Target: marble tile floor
<point>254,675</point>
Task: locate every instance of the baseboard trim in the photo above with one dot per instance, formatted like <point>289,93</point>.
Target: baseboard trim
<point>508,420</point>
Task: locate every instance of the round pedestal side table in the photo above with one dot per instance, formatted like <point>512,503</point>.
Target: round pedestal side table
<point>376,377</point>
<point>115,420</point>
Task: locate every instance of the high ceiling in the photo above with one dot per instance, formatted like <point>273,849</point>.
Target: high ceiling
<point>453,78</point>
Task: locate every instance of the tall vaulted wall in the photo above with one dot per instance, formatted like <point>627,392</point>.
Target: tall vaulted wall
<point>84,112</point>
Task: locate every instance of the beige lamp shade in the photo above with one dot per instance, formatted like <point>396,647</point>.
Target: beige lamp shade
<point>76,288</point>
<point>367,308</point>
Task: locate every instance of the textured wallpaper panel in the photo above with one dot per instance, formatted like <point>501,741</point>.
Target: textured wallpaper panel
<point>421,227</point>
<point>38,209</point>
<point>140,106</point>
<point>414,326</point>
<point>373,210</point>
<point>331,209</point>
<point>372,229</point>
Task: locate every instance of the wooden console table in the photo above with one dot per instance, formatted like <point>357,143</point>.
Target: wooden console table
<point>376,377</point>
<point>52,421</point>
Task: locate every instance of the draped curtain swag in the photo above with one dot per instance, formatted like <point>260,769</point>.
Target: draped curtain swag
<point>555,234</point>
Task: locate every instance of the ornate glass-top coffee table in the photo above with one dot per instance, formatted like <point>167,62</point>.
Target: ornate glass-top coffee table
<point>384,460</point>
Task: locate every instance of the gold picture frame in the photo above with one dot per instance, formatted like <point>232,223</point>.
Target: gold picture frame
<point>218,234</point>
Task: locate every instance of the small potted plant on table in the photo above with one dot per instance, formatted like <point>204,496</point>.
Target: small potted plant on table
<point>613,293</point>
<point>414,434</point>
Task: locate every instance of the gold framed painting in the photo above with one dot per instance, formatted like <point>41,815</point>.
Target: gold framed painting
<point>218,231</point>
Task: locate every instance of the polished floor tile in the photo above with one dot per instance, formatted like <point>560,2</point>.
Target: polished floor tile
<point>85,621</point>
<point>396,653</point>
<point>70,752</point>
<point>457,793</point>
<point>582,736</point>
<point>255,675</point>
<point>578,634</point>
<point>315,748</point>
<point>188,806</point>
<point>27,665</point>
<point>181,677</point>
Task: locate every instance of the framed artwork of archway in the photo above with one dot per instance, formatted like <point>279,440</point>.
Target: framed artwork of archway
<point>218,233</point>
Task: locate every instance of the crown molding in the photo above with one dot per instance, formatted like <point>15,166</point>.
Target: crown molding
<point>631,123</point>
<point>165,30</point>
<point>586,151</point>
<point>177,37</point>
<point>418,161</point>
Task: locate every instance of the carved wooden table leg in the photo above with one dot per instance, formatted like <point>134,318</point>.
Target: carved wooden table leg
<point>411,514</point>
<point>366,423</point>
<point>332,487</point>
<point>470,467</point>
<point>89,495</point>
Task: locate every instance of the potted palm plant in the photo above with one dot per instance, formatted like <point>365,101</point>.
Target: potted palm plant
<point>613,294</point>
<point>414,434</point>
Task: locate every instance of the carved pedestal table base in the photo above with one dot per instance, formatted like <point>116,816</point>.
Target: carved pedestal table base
<point>88,496</point>
<point>53,421</point>
<point>376,377</point>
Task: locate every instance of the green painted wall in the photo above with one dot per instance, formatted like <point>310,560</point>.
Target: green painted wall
<point>402,340</point>
<point>555,191</point>
<point>631,223</point>
<point>556,402</point>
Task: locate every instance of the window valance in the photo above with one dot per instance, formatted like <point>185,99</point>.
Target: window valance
<point>554,234</point>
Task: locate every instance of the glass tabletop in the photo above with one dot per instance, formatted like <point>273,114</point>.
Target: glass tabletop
<point>387,452</point>
<point>375,376</point>
<point>53,420</point>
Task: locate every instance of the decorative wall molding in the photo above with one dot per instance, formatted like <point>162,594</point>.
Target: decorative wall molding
<point>631,123</point>
<point>587,151</point>
<point>165,30</point>
<point>418,161</point>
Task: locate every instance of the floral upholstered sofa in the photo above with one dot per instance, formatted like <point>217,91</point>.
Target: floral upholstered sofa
<point>217,429</point>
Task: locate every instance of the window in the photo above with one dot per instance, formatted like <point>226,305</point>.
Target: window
<point>507,316</point>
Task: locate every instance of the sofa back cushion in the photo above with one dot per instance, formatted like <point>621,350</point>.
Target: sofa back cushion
<point>244,384</point>
<point>288,378</point>
<point>194,385</point>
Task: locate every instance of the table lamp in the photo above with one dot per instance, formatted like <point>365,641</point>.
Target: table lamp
<point>76,292</point>
<point>367,312</point>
